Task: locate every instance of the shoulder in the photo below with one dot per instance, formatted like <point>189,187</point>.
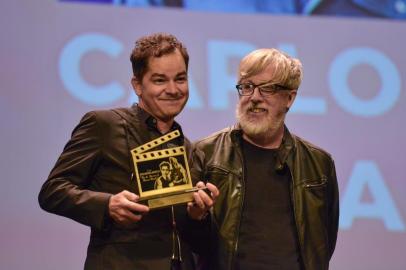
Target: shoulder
<point>303,145</point>
<point>105,117</point>
<point>214,138</point>
<point>98,122</point>
<point>108,114</point>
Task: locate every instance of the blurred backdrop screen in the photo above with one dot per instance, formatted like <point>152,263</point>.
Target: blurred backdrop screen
<point>61,59</point>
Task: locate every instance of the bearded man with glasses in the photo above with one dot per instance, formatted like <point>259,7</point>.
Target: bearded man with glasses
<point>278,205</point>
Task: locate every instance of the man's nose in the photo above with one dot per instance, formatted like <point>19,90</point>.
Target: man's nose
<point>172,87</point>
<point>256,94</point>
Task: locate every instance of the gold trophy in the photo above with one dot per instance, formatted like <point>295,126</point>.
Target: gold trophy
<point>162,176</point>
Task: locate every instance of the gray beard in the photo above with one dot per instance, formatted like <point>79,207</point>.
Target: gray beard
<point>266,128</point>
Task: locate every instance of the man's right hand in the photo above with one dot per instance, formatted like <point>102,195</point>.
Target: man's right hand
<point>124,209</point>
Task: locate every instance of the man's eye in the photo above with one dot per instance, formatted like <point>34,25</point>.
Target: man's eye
<point>181,79</point>
<point>158,81</point>
<point>269,88</point>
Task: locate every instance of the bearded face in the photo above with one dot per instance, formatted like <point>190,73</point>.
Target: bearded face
<point>261,114</point>
<point>259,119</point>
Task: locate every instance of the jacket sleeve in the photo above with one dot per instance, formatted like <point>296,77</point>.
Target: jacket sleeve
<point>333,209</point>
<point>66,191</point>
<point>197,165</point>
<point>196,233</point>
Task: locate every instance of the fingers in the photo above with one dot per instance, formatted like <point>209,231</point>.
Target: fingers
<point>130,203</point>
<point>202,201</point>
<point>207,201</point>
<point>126,218</point>
<point>137,207</point>
<point>198,201</point>
<point>204,197</point>
<point>124,209</point>
<point>196,210</point>
<point>129,195</point>
<point>133,217</point>
<point>213,190</point>
<point>190,204</point>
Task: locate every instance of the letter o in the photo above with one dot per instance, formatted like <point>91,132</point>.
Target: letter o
<point>388,94</point>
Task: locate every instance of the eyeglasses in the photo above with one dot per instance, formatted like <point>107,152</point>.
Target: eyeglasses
<point>266,89</point>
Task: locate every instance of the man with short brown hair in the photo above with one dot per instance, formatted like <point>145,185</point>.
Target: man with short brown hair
<point>92,181</point>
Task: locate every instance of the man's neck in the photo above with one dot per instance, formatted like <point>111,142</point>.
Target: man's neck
<point>164,126</point>
<point>270,140</point>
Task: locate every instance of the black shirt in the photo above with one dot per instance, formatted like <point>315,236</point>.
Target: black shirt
<point>267,238</point>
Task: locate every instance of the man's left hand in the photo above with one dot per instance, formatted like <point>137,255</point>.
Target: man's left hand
<point>202,203</point>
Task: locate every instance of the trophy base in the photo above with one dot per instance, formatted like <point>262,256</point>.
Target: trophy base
<point>169,199</point>
<point>162,201</point>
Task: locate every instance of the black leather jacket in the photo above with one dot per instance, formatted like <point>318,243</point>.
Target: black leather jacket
<point>314,194</point>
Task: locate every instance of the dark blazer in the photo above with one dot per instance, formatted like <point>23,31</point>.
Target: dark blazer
<point>95,164</point>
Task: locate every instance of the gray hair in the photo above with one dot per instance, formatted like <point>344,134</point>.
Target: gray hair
<point>288,71</point>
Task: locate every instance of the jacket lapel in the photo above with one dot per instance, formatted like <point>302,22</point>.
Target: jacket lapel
<point>136,129</point>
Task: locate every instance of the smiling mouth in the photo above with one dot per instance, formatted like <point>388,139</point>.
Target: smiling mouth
<point>170,99</point>
<point>256,110</point>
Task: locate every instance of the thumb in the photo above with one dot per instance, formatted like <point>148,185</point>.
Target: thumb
<point>200,184</point>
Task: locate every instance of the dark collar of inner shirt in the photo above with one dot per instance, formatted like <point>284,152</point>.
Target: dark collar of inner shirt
<point>151,123</point>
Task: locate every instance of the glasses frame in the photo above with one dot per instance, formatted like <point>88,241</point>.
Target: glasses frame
<point>265,92</point>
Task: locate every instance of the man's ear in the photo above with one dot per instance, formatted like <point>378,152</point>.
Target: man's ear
<point>291,98</point>
<point>137,86</point>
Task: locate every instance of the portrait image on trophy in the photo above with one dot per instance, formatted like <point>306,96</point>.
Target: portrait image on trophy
<point>172,173</point>
<point>162,171</point>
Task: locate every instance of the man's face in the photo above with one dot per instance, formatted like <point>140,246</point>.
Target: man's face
<point>261,115</point>
<point>165,171</point>
<point>164,89</point>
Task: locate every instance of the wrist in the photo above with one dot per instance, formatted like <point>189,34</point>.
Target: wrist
<point>200,217</point>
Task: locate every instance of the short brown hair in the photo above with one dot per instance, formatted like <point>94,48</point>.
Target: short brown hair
<point>155,45</point>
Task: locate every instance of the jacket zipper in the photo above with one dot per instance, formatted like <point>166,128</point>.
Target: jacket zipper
<point>292,194</point>
<point>241,210</point>
<point>321,183</point>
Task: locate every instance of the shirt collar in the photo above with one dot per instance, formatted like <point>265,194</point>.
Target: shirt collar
<point>151,121</point>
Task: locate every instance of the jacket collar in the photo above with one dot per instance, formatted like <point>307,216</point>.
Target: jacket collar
<point>142,127</point>
<point>286,147</point>
<point>141,116</point>
<point>144,117</point>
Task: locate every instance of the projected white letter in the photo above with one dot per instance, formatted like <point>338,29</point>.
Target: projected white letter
<point>69,69</point>
<point>305,105</point>
<point>367,176</point>
<point>195,101</point>
<point>388,94</point>
<point>221,82</point>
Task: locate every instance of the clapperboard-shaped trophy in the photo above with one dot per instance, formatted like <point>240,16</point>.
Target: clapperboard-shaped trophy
<point>162,176</point>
